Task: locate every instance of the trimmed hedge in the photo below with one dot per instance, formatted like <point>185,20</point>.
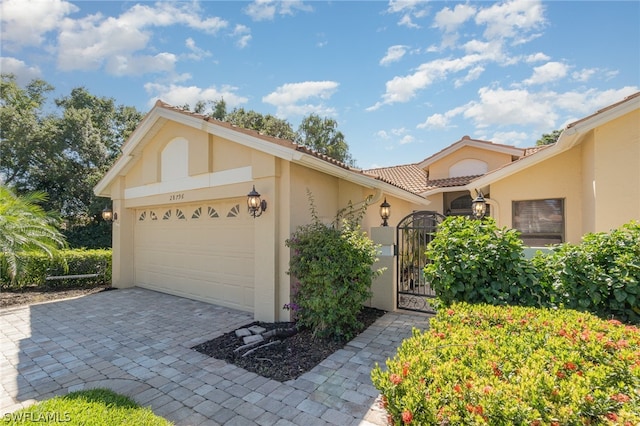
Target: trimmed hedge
<point>38,266</point>
<point>475,261</point>
<point>482,364</point>
<point>601,275</point>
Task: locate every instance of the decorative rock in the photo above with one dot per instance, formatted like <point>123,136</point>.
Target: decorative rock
<point>252,339</point>
<point>256,329</point>
<point>242,332</point>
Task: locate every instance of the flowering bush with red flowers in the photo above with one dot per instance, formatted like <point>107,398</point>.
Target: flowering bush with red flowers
<point>482,364</point>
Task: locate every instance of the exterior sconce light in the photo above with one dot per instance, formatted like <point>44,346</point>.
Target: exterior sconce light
<point>479,206</point>
<point>255,204</point>
<point>385,212</point>
<point>108,215</point>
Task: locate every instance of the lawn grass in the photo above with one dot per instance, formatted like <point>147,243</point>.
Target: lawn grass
<point>96,407</point>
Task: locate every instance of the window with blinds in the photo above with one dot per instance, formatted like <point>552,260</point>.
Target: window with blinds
<point>541,222</point>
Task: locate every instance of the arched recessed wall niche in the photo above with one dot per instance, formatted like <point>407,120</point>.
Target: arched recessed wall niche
<point>174,160</point>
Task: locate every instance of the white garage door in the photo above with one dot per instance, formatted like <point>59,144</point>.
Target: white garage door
<point>201,251</point>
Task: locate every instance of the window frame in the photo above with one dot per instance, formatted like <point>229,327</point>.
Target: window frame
<point>537,206</point>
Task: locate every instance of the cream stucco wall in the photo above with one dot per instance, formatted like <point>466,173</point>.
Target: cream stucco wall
<point>440,169</point>
<point>599,179</point>
<point>616,173</point>
<point>558,177</point>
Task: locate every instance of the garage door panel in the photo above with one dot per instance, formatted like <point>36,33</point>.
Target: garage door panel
<point>207,258</point>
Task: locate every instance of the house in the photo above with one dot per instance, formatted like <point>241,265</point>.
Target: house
<point>588,181</point>
<point>182,226</point>
<point>181,222</point>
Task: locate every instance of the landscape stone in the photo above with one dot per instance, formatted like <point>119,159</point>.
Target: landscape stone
<point>256,329</point>
<point>243,332</point>
<point>252,339</point>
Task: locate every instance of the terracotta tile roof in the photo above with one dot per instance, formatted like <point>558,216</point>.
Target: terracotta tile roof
<point>449,182</point>
<point>534,149</point>
<point>409,177</point>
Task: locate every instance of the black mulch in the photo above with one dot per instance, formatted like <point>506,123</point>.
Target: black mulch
<point>286,360</point>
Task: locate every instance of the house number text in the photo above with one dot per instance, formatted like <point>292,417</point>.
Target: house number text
<point>176,197</point>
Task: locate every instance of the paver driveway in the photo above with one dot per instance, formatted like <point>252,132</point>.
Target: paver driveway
<point>138,342</point>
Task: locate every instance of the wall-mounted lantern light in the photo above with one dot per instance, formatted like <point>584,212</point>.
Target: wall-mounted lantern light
<point>479,206</point>
<point>385,212</point>
<point>108,215</point>
<point>255,204</point>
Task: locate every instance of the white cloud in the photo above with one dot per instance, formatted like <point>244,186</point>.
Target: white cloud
<point>551,71</point>
<point>167,14</point>
<point>590,101</point>
<point>178,95</point>
<point>244,35</point>
<point>23,72</point>
<point>473,74</point>
<point>584,75</point>
<point>288,7</point>
<point>500,107</point>
<point>93,41</point>
<point>382,134</point>
<point>120,65</point>
<point>512,138</point>
<point>406,139</point>
<point>449,20</point>
<point>435,121</point>
<point>441,121</point>
<point>196,52</point>
<point>25,22</point>
<point>512,19</point>
<point>266,10</point>
<point>403,89</point>
<point>288,98</point>
<point>409,10</point>
<point>261,10</point>
<point>537,57</point>
<point>542,111</point>
<point>394,54</point>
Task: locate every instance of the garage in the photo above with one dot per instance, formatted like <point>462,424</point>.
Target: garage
<point>201,251</point>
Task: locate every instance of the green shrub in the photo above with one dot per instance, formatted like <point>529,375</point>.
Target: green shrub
<point>601,275</point>
<point>514,366</point>
<point>332,266</point>
<point>475,261</point>
<point>38,266</point>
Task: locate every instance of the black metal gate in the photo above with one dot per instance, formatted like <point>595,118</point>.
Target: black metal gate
<point>415,231</point>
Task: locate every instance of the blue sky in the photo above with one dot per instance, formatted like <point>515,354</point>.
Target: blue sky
<point>403,79</point>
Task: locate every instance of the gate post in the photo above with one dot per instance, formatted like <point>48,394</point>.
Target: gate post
<point>384,286</point>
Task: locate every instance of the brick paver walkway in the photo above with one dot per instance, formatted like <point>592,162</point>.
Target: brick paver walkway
<point>137,342</point>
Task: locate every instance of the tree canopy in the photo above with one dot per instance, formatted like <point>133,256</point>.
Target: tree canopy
<point>319,134</point>
<point>63,153</point>
<point>322,135</point>
<point>549,138</point>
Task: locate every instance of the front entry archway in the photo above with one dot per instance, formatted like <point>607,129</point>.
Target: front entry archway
<point>414,232</point>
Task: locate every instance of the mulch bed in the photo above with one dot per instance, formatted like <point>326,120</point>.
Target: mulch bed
<point>32,295</point>
<point>287,360</point>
